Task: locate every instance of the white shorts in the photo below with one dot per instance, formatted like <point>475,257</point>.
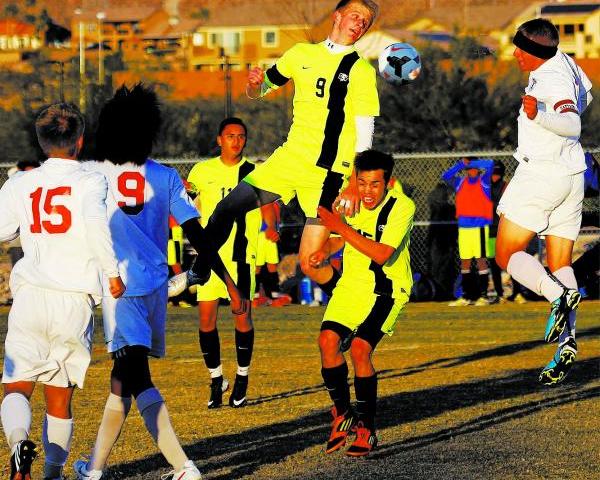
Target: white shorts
<point>544,204</point>
<point>49,337</point>
<point>138,320</point>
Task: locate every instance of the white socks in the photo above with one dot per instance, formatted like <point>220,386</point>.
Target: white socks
<point>154,412</point>
<point>57,434</point>
<point>528,271</point>
<point>115,413</point>
<point>15,413</point>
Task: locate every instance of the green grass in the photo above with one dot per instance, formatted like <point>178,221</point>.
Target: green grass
<point>458,399</point>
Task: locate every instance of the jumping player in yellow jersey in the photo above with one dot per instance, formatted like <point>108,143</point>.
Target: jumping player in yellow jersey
<point>211,181</point>
<point>371,293</point>
<point>335,103</point>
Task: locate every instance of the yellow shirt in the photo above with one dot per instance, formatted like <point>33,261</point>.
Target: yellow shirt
<point>330,91</point>
<point>212,180</point>
<point>390,223</point>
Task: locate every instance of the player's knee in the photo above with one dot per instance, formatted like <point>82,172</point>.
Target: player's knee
<point>132,369</point>
<point>329,342</point>
<point>305,266</point>
<point>360,351</point>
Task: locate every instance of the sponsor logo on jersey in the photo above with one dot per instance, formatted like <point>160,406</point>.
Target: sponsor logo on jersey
<point>343,77</point>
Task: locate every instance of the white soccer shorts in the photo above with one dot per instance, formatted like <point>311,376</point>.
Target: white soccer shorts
<point>49,337</point>
<point>543,203</point>
<point>140,320</point>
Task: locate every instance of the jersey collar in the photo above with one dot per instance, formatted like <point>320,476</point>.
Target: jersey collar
<point>334,48</point>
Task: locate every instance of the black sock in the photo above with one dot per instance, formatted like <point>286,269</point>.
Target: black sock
<point>244,342</point>
<point>483,283</point>
<point>210,348</point>
<point>330,284</point>
<point>336,382</point>
<point>272,283</point>
<point>366,400</point>
<point>466,284</point>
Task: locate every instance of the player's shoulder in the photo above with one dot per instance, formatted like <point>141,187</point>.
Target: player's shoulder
<point>402,202</point>
<point>203,166</point>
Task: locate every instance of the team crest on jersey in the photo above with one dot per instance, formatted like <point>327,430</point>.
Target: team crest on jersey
<point>343,77</point>
<point>380,227</point>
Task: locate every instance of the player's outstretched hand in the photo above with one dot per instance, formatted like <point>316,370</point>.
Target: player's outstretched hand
<point>272,234</point>
<point>530,106</point>
<point>116,286</point>
<point>333,221</point>
<point>348,202</point>
<point>317,259</point>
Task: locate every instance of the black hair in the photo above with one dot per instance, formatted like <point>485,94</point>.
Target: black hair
<point>540,28</point>
<point>232,121</point>
<point>374,160</point>
<point>128,125</point>
<point>27,164</point>
<point>59,127</point>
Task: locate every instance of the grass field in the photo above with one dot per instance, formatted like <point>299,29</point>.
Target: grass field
<point>458,399</point>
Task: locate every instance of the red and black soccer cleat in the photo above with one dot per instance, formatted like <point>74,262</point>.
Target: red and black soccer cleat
<point>340,428</point>
<point>365,441</point>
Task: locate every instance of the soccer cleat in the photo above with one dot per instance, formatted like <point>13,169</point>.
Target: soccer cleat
<point>559,313</point>
<point>481,302</point>
<point>178,283</point>
<point>238,395</point>
<point>559,367</point>
<point>460,302</point>
<point>365,441</point>
<point>217,387</point>
<point>340,428</point>
<point>82,473</point>
<point>188,472</point>
<point>281,301</point>
<point>20,461</point>
<point>520,299</point>
<point>260,301</point>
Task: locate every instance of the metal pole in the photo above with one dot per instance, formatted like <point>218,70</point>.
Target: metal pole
<point>100,16</point>
<point>81,62</point>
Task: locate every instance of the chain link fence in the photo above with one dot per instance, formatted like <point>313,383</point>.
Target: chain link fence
<point>419,174</point>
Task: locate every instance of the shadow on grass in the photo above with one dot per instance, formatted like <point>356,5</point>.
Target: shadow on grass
<point>501,351</point>
<point>235,455</point>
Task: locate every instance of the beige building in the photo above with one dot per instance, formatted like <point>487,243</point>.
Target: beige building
<point>577,22</point>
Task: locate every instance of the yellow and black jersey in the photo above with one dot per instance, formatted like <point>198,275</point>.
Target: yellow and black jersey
<point>390,223</point>
<point>331,89</point>
<point>212,180</point>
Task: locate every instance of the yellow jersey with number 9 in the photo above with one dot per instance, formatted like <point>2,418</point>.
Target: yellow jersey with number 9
<point>331,89</point>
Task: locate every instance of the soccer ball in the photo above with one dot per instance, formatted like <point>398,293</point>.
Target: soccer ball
<point>399,63</point>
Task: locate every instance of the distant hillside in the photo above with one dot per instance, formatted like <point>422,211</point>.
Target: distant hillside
<point>394,13</point>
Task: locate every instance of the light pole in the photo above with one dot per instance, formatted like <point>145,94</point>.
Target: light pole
<point>79,12</point>
<point>100,16</point>
<point>227,73</point>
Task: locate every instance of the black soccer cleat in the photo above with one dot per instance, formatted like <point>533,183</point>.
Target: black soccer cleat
<point>559,367</point>
<point>21,460</point>
<point>238,396</point>
<point>217,387</point>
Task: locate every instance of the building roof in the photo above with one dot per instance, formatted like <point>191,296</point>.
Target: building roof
<point>266,12</point>
<point>575,8</point>
<point>118,14</point>
<point>11,26</point>
<point>479,18</point>
<point>167,30</point>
